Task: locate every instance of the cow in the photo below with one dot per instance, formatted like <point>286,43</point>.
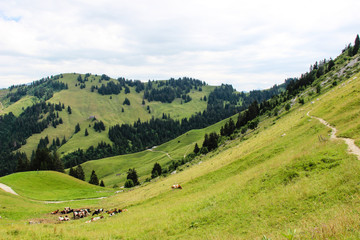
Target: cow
<point>61,219</point>
<point>94,219</point>
<point>80,213</point>
<point>176,186</point>
<point>67,210</point>
<point>97,211</point>
<point>55,212</point>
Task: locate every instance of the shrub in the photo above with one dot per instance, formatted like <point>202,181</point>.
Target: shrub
<point>129,183</point>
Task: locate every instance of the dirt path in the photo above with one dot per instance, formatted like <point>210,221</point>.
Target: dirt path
<point>352,148</point>
<point>7,189</point>
<point>167,154</point>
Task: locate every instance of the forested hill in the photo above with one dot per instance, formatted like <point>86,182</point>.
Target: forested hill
<point>86,116</point>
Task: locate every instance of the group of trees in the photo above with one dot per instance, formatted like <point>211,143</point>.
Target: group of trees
<point>15,130</point>
<point>116,88</point>
<point>78,173</point>
<point>168,90</point>
<point>99,126</point>
<point>129,138</point>
<point>131,178</point>
<point>41,159</point>
<point>43,89</point>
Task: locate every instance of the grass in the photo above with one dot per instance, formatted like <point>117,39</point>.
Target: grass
<point>264,185</point>
<point>113,170</point>
<point>18,107</point>
<point>281,186</point>
<point>341,108</point>
<point>49,185</point>
<point>107,108</point>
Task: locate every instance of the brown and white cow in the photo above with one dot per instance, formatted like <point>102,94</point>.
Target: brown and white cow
<point>176,186</point>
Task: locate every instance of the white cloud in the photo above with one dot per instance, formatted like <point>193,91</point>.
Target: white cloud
<point>250,44</point>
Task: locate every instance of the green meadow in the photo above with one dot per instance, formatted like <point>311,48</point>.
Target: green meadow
<point>107,108</point>
<point>113,170</point>
<point>281,181</point>
<point>50,185</point>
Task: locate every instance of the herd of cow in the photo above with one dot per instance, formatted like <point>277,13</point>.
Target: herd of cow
<point>84,212</point>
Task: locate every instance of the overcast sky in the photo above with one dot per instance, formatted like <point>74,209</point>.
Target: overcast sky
<point>249,44</point>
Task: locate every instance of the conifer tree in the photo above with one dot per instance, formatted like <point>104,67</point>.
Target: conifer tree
<point>93,178</point>
<point>102,184</point>
<point>77,128</point>
<point>196,149</point>
<point>132,174</point>
<point>72,173</point>
<point>156,171</point>
<point>80,173</point>
<point>356,45</point>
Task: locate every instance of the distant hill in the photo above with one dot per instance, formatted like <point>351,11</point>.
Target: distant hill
<point>47,112</point>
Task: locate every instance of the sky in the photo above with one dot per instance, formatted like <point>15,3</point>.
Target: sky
<point>249,44</point>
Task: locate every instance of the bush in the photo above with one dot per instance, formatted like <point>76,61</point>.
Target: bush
<point>287,107</point>
<point>129,183</point>
<point>204,150</point>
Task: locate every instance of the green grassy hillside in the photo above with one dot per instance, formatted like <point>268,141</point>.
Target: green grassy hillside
<point>107,108</point>
<point>49,185</point>
<point>281,180</point>
<point>113,170</point>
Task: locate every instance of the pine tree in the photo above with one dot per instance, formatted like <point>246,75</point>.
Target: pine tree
<point>72,173</point>
<point>86,132</point>
<point>126,101</point>
<point>129,183</point>
<point>69,109</point>
<point>196,149</point>
<point>93,178</point>
<point>102,184</point>
<point>156,171</point>
<point>80,173</point>
<point>132,174</point>
<point>57,163</point>
<point>356,45</point>
<point>77,128</point>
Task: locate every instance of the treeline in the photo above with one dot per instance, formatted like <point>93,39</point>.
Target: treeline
<point>43,89</point>
<point>168,90</point>
<point>130,138</point>
<point>295,85</point>
<point>116,87</point>
<point>249,118</point>
<point>15,130</point>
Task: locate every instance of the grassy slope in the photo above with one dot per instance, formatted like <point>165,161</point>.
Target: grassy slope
<point>85,103</point>
<point>342,109</point>
<point>113,170</point>
<point>49,185</point>
<point>17,108</point>
<point>265,185</point>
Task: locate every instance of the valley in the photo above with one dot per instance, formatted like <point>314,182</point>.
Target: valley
<point>280,168</point>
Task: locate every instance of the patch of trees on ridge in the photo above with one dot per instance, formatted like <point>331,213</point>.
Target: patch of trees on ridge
<point>115,88</point>
<point>295,85</point>
<point>43,89</point>
<point>167,91</point>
